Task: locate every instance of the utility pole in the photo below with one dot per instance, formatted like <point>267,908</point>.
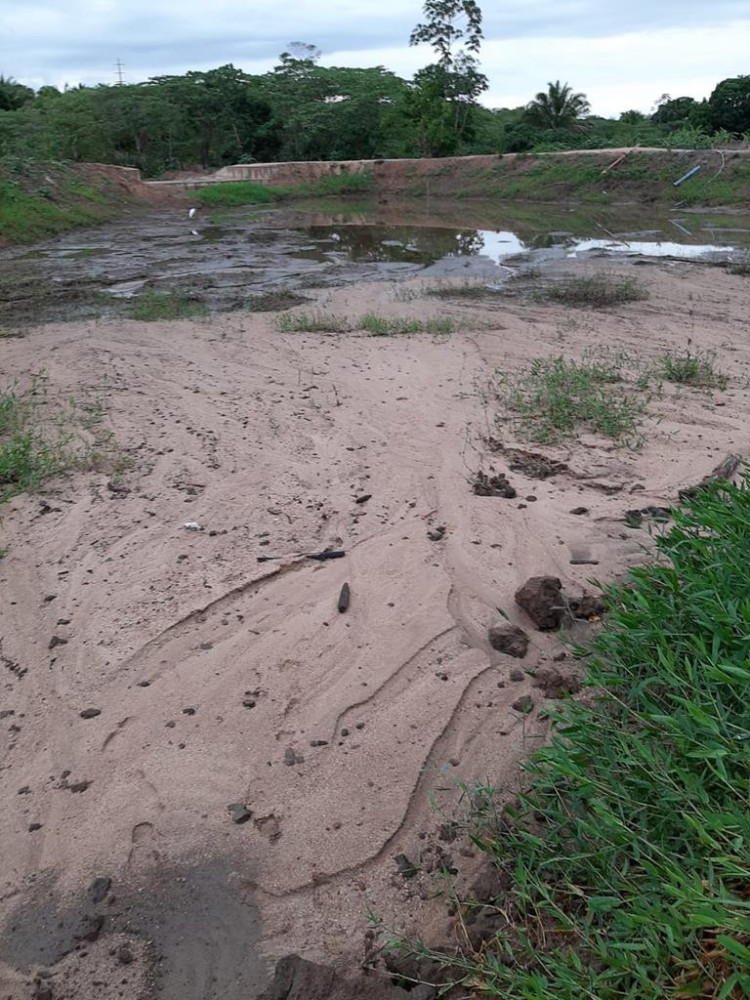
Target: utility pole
<point>120,68</point>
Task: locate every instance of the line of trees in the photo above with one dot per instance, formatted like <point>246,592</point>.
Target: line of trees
<point>303,111</point>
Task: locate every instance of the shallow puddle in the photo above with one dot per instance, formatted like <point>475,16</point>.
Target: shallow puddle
<point>229,260</point>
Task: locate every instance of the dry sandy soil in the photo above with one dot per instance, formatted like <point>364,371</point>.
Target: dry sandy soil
<point>222,679</point>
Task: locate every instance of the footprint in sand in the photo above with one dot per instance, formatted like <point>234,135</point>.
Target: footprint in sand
<point>143,849</point>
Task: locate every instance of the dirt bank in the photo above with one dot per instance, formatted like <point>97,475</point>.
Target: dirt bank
<point>155,674</point>
<point>601,176</point>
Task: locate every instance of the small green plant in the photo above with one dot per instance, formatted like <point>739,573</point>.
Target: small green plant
<point>596,291</point>
<point>237,193</point>
<point>694,368</point>
<point>39,440</point>
<point>151,306</point>
<point>234,193</point>
<point>627,857</point>
<point>314,322</point>
<point>554,398</point>
<point>388,326</point>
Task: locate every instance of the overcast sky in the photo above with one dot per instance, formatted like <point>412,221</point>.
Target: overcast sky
<point>621,54</point>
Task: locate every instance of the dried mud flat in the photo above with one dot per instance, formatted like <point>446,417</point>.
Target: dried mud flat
<point>221,672</point>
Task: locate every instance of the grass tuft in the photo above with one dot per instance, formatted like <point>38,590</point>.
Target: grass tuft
<point>233,193</point>
<point>696,369</point>
<point>39,440</point>
<point>554,398</point>
<point>313,322</point>
<point>627,858</point>
<point>151,306</point>
<point>596,291</point>
<point>386,326</point>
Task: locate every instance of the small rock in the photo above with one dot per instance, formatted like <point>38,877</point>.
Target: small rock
<point>586,607</point>
<point>580,555</point>
<point>541,598</point>
<point>559,657</point>
<point>239,812</point>
<point>91,928</point>
<point>57,640</point>
<point>344,598</point>
<point>78,787</point>
<point>318,743</point>
<point>124,954</point>
<point>406,867</point>
<point>531,498</point>
<point>509,639</point>
<point>344,732</point>
<point>144,684</point>
<point>99,888</point>
<point>188,711</point>
<point>554,684</point>
<point>364,498</point>
<point>517,675</point>
<point>523,704</point>
<point>580,510</point>
<point>33,827</point>
<point>437,534</point>
<point>90,713</point>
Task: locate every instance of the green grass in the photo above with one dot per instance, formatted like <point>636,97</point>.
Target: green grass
<point>237,193</point>
<point>150,306</point>
<point>554,398</point>
<point>39,440</point>
<point>254,192</point>
<point>628,854</point>
<point>26,216</point>
<point>696,369</point>
<point>596,291</point>
<point>388,326</point>
<point>313,322</point>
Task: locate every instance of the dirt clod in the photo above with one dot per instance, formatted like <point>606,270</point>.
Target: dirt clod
<point>493,485</point>
<point>509,639</point>
<point>541,598</point>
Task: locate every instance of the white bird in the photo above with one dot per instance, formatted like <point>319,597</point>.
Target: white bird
<point>191,213</point>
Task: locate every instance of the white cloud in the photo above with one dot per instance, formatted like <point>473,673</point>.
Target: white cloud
<point>621,55</point>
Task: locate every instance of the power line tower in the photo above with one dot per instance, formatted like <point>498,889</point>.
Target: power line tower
<point>120,68</point>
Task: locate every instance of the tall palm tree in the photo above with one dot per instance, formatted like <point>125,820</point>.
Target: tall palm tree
<point>557,107</point>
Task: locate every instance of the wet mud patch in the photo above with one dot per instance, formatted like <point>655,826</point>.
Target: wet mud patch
<point>533,464</point>
<point>181,933</point>
<point>234,261</point>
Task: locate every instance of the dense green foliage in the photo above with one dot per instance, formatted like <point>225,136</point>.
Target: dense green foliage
<point>628,856</point>
<point>304,111</point>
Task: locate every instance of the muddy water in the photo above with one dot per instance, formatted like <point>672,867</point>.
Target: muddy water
<point>249,259</point>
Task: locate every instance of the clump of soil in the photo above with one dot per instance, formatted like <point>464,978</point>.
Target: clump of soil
<point>496,485</point>
<point>532,464</point>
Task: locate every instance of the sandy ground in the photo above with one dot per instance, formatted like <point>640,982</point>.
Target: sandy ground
<point>222,679</point>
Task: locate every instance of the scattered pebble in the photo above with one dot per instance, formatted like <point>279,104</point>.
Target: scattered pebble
<point>90,713</point>
<point>517,675</point>
<point>239,812</point>
<point>124,955</point>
